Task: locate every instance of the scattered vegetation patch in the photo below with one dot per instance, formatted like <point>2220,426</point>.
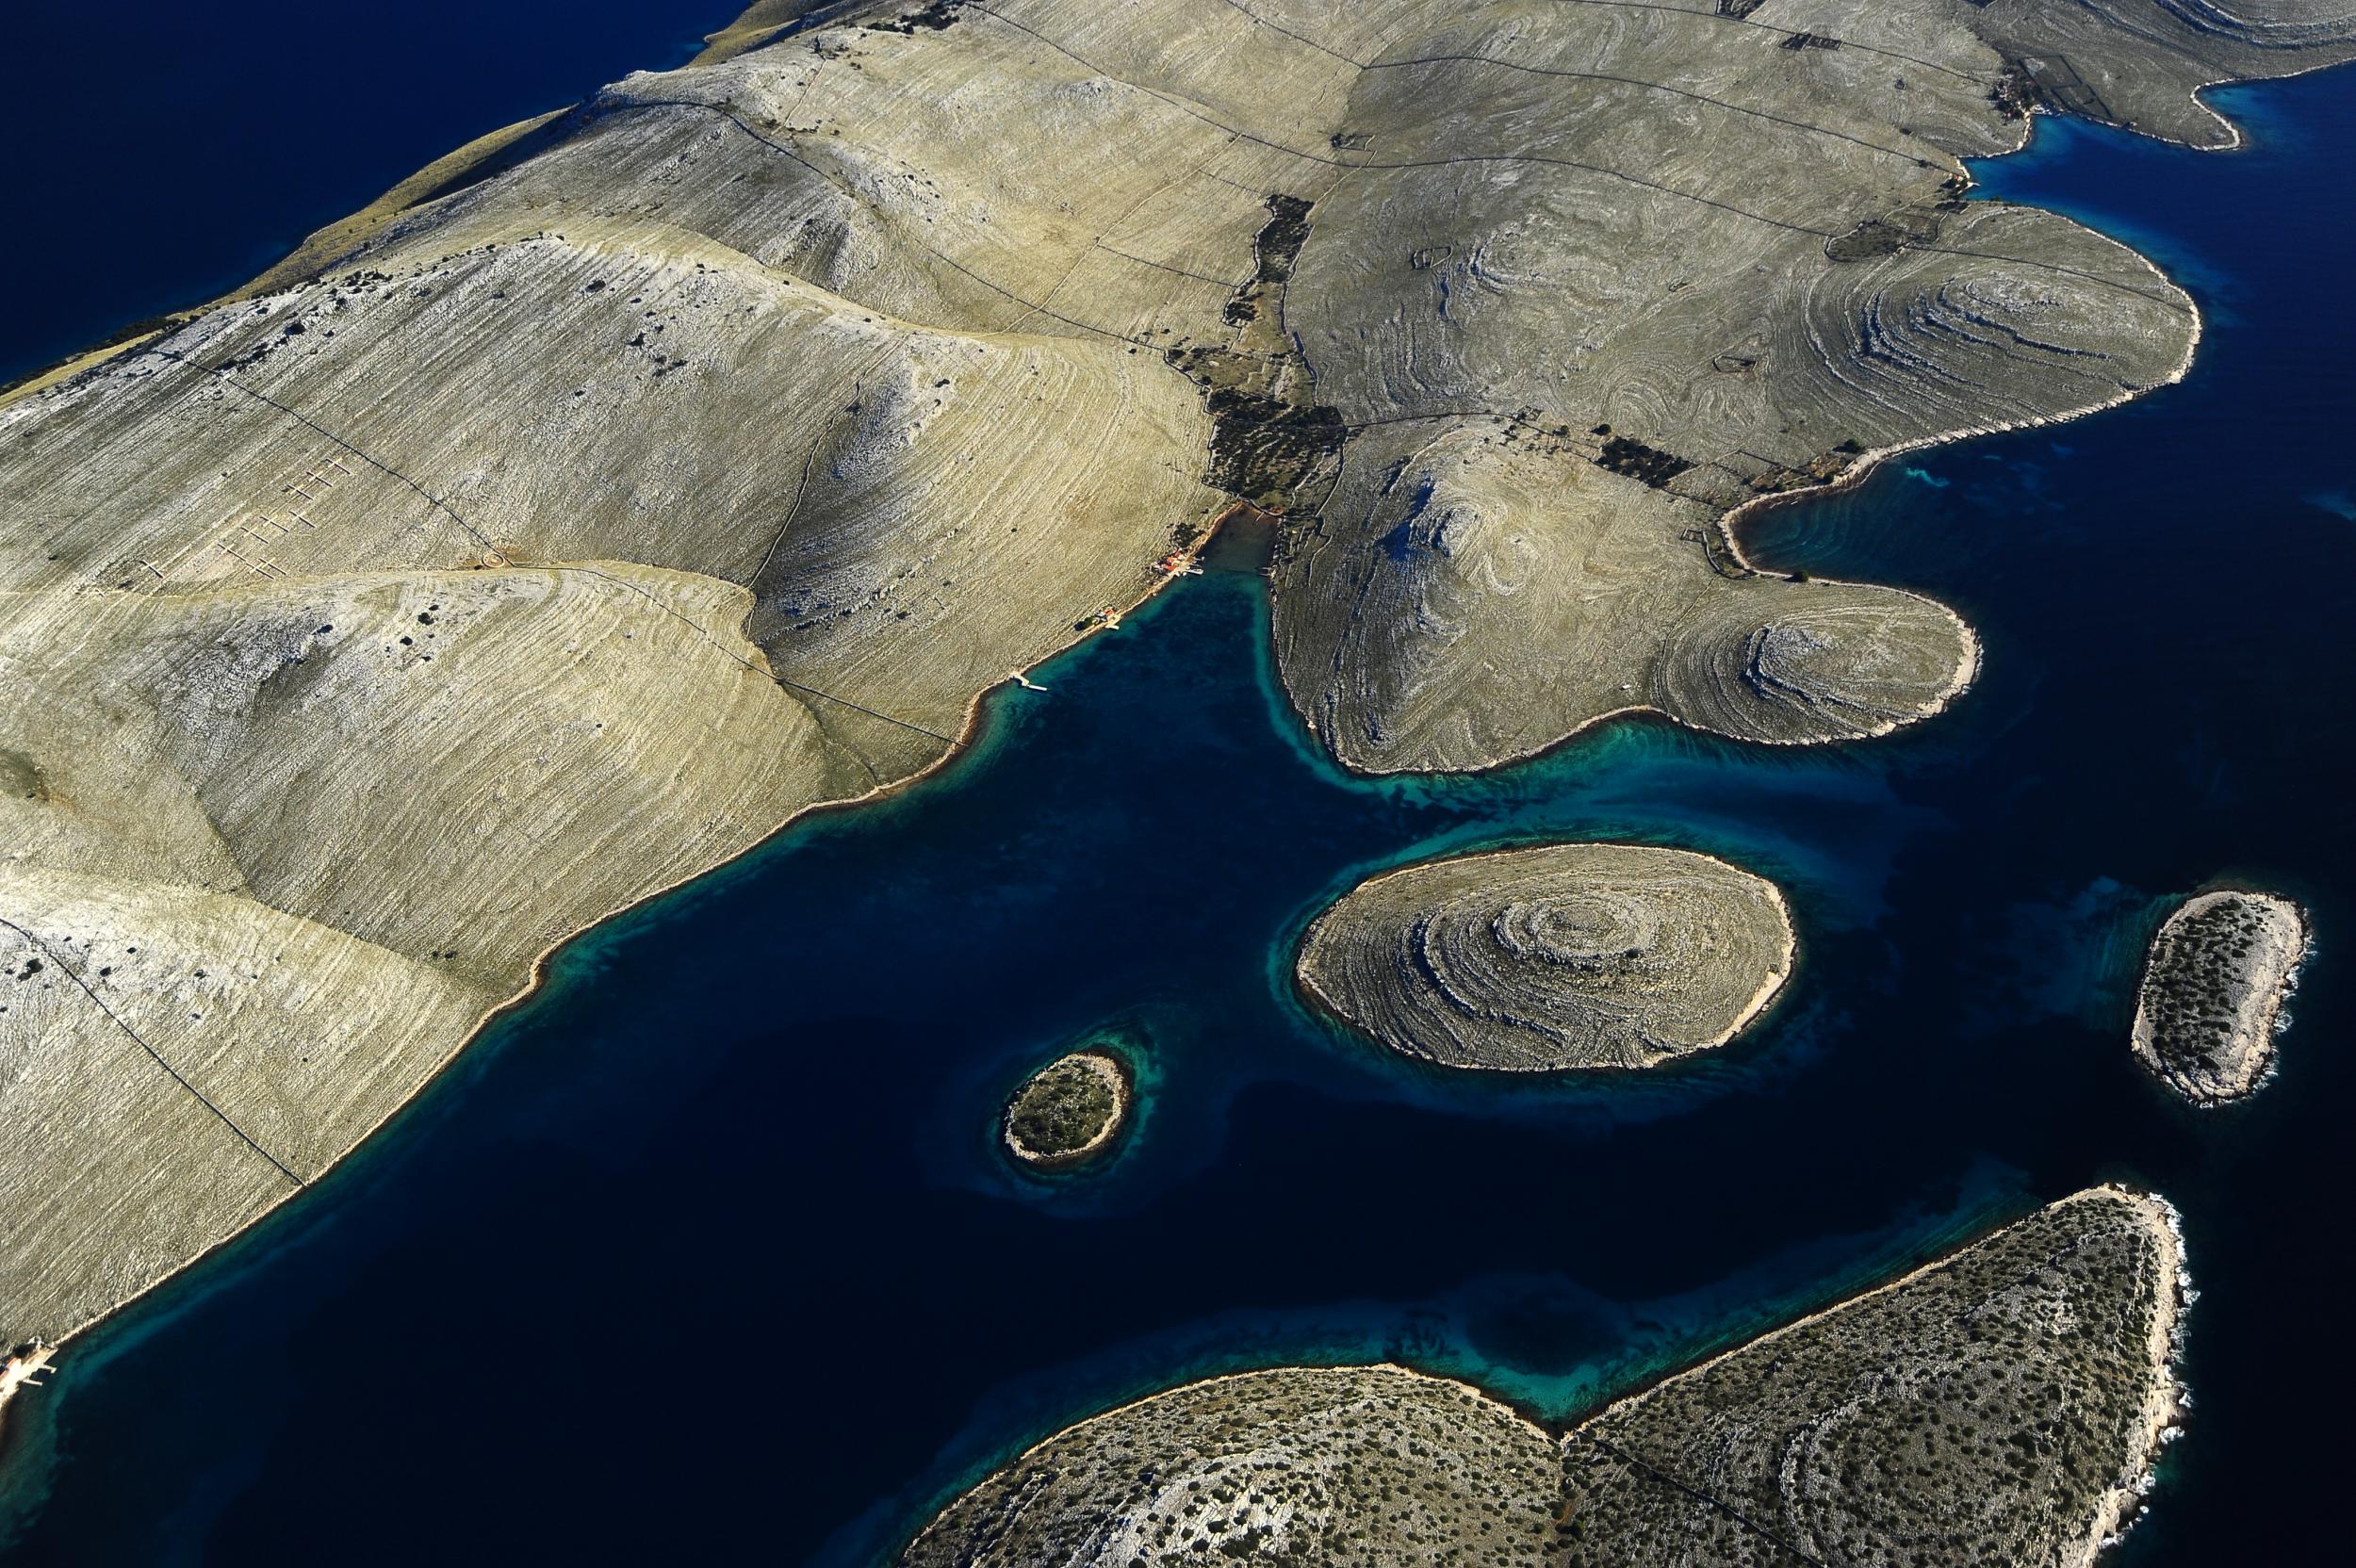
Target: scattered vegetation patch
<point>1884,237</point>
<point>2213,989</point>
<point>1629,457</point>
<point>2015,94</point>
<point>1997,1407</point>
<point>1263,449</point>
<point>1070,1111</point>
<point>1271,440</point>
<point>937,17</point>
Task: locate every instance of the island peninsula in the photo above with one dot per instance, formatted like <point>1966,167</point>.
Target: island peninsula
<point>624,487</point>
<point>2000,1406</point>
<point>1551,957</point>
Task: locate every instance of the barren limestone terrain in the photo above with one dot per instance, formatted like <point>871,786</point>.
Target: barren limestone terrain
<point>1997,1407</point>
<point>2213,989</point>
<point>629,485</point>
<point>1563,955</point>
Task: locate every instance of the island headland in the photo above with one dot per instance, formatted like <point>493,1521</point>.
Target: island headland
<point>2002,1405</point>
<point>1071,1112</point>
<point>648,476</point>
<point>1551,957</point>
<point>2210,1003</point>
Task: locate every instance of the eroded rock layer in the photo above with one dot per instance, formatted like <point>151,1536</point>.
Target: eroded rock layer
<point>1589,277</point>
<point>1354,1466</point>
<point>704,457</point>
<point>1472,593</point>
<point>1997,1407</point>
<point>2214,985</point>
<point>1568,955</point>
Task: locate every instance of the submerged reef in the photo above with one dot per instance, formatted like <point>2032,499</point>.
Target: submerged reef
<point>2214,985</point>
<point>2001,1405</point>
<point>1566,956</point>
<point>1069,1112</point>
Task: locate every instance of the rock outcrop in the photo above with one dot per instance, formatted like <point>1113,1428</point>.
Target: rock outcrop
<point>2001,1405</point>
<point>1352,1466</point>
<point>1553,957</point>
<point>2220,967</point>
<point>699,455</point>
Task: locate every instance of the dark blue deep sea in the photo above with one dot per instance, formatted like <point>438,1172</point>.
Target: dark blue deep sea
<point>707,1254</point>
<point>162,152</point>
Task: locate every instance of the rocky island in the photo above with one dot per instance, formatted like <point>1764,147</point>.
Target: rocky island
<point>1562,957</point>
<point>1354,1466</point>
<point>628,484</point>
<point>1072,1111</point>
<point>2001,1405</point>
<point>2214,984</point>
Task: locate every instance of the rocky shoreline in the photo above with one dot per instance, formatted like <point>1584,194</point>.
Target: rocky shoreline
<point>2006,1398</point>
<point>2210,1002</point>
<point>1070,1112</point>
<point>369,658</point>
<point>1552,957</point>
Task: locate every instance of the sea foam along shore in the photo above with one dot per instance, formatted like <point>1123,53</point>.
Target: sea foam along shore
<point>2271,975</point>
<point>2167,1399</point>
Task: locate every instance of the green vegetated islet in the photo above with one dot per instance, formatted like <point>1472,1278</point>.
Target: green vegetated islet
<point>1069,1110</point>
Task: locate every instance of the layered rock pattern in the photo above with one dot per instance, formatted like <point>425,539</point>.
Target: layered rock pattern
<point>1649,265</point>
<point>706,457</point>
<point>2141,63</point>
<point>1568,956</point>
<point>2219,972</point>
<point>1997,1407</point>
<point>2000,1407</point>
<point>1354,1466</point>
<point>1475,593</point>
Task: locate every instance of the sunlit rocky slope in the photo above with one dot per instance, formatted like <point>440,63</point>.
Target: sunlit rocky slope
<point>562,535</point>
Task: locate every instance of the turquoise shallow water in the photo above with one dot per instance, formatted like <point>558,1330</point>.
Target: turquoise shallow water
<point>709,1251</point>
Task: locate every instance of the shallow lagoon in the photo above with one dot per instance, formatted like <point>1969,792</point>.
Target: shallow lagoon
<point>710,1251</point>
